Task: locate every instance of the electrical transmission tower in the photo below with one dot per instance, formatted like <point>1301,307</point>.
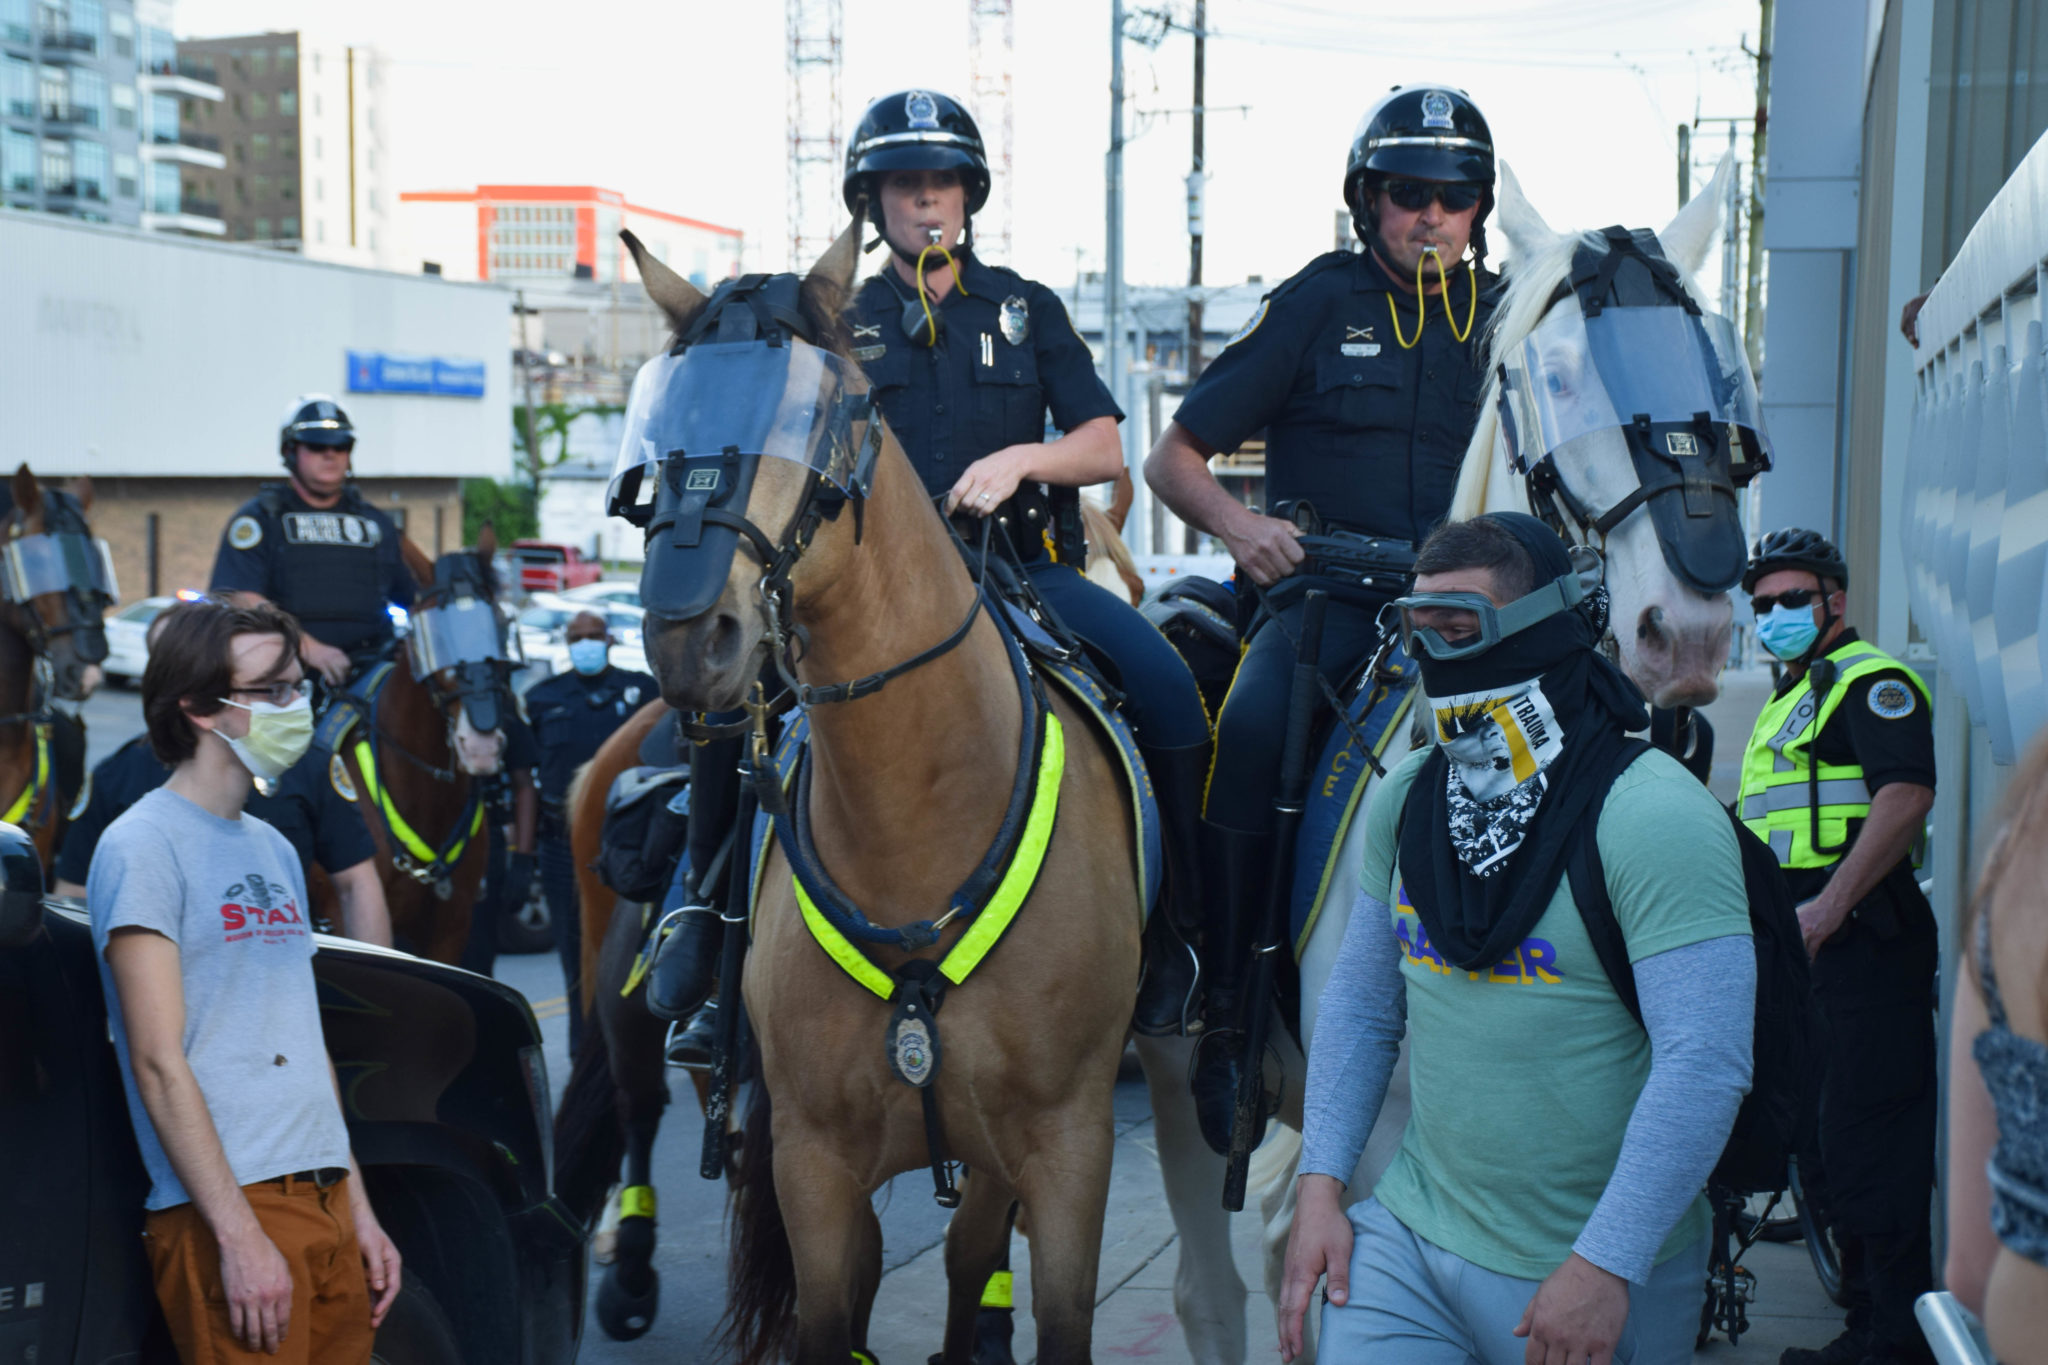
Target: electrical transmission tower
<point>817,142</point>
<point>991,51</point>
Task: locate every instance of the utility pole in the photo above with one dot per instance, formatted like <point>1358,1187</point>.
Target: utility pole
<point>1731,233</point>
<point>526,382</point>
<point>1684,164</point>
<point>1197,179</point>
<point>1753,299</point>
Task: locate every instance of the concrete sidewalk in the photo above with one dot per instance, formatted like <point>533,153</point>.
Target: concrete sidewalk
<point>1135,1320</point>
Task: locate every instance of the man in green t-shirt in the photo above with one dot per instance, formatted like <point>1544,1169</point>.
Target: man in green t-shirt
<point>1545,1202</point>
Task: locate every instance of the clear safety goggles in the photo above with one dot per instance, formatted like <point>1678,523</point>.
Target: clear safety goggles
<point>1575,375</point>
<point>1494,624</point>
<point>462,630</point>
<point>31,566</point>
<point>791,402</point>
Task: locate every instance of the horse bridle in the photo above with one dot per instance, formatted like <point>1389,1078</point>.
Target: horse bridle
<point>62,515</point>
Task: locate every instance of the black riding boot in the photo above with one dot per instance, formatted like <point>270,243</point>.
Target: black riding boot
<point>686,966</point>
<point>696,1047</point>
<point>1169,989</point>
<point>1236,863</point>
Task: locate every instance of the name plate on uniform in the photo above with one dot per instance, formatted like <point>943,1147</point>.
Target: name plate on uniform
<point>1360,348</point>
<point>331,528</point>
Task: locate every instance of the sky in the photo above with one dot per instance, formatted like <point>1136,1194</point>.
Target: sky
<point>682,105</point>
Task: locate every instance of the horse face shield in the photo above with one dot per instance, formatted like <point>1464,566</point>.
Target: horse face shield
<point>1676,383</point>
<point>77,566</point>
<point>465,634</point>
<point>698,424</point>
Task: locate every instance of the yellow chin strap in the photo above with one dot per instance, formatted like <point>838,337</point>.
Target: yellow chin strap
<point>931,323</point>
<point>38,779</point>
<point>1443,292</point>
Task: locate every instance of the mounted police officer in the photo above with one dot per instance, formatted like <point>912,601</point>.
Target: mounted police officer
<point>967,359</point>
<point>1364,371</point>
<point>315,546</point>
<point>1838,779</point>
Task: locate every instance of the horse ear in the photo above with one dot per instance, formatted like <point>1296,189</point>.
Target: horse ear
<point>830,282</point>
<point>416,560</point>
<point>81,488</point>
<point>675,296</point>
<point>487,542</point>
<point>1688,238</point>
<point>27,496</point>
<point>1520,223</point>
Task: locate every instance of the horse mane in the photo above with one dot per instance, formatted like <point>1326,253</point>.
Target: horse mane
<point>1530,285</point>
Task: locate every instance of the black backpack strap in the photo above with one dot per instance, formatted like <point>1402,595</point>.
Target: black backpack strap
<point>1589,890</point>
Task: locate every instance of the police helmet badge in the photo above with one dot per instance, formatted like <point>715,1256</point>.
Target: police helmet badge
<point>245,533</point>
<point>1436,110</point>
<point>1016,319</point>
<point>1892,699</point>
<point>338,778</point>
<point>922,110</point>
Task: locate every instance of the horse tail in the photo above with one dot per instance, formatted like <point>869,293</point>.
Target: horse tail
<point>590,1142</point>
<point>759,1324</point>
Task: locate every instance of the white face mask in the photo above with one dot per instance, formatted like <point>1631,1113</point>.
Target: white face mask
<point>278,736</point>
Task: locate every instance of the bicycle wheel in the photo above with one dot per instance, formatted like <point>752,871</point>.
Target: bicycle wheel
<point>1820,1241</point>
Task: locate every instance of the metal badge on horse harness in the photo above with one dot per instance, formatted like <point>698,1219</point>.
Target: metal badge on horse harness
<point>912,1044</point>
<point>1016,320</point>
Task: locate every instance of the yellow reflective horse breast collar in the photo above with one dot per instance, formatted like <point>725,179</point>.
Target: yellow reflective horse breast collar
<point>417,847</point>
<point>38,781</point>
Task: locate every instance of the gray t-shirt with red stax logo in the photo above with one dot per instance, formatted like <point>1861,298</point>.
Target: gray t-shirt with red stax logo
<point>231,895</point>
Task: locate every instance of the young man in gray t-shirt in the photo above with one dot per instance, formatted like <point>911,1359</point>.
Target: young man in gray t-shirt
<point>261,1240</point>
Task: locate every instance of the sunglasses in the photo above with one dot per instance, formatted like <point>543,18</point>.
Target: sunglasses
<point>1798,597</point>
<point>1416,194</point>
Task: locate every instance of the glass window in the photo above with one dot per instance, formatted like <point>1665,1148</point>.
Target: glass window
<point>259,147</point>
<point>287,188</point>
<point>17,162</point>
<point>262,229</point>
<point>123,99</point>
<point>318,147</point>
<point>125,173</point>
<point>259,105</point>
<point>286,56</point>
<point>16,21</point>
<point>290,229</point>
<point>261,187</point>
<point>56,167</point>
<point>89,94</point>
<point>18,87</point>
<point>159,51</point>
<point>319,225</point>
<point>319,190</point>
<point>89,168</point>
<point>163,119</point>
<point>87,16</point>
<point>259,63</point>
<point>287,104</point>
<point>288,145</point>
<point>54,89</point>
<point>164,190</point>
<point>121,25</point>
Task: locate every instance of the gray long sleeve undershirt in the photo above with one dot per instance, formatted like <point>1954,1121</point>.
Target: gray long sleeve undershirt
<point>1698,1006</point>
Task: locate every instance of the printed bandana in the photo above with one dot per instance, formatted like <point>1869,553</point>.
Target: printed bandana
<point>1500,744</point>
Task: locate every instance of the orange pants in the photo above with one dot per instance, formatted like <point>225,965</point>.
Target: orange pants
<point>314,1231</point>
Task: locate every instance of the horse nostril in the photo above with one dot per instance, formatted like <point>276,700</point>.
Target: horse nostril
<point>1650,626</point>
<point>721,648</point>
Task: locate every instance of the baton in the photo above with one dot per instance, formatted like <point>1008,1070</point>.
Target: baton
<point>1248,1124</point>
<point>732,953</point>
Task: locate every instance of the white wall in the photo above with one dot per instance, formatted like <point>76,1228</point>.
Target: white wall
<point>124,352</point>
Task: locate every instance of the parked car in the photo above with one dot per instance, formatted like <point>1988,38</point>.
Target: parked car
<point>449,1115</point>
<point>543,633</point>
<point>624,591</point>
<point>545,566</point>
<point>128,639</point>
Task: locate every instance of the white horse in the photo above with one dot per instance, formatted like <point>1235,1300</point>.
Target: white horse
<point>1671,639</point>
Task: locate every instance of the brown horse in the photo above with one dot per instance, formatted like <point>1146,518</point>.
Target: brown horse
<point>907,788</point>
<point>55,586</point>
<point>415,759</point>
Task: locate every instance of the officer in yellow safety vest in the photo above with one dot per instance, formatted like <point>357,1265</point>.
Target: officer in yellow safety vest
<point>1838,779</point>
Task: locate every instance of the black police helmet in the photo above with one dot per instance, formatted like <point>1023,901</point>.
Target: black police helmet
<point>914,130</point>
<point>314,419</point>
<point>1421,132</point>
<point>1795,547</point>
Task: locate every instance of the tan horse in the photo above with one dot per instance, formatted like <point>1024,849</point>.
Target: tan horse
<point>908,788</point>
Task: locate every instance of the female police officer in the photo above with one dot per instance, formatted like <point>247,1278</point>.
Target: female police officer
<point>966,359</point>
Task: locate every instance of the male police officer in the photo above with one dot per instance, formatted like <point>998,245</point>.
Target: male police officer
<point>1838,779</point>
<point>1364,372</point>
<point>315,546</point>
<point>573,714</point>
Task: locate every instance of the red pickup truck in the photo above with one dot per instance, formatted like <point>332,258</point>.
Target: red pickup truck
<point>547,567</point>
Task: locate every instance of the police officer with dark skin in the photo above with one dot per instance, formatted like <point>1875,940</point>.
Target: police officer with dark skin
<point>316,547</point>
<point>1364,372</point>
<point>966,360</point>
<point>572,715</point>
<point>1838,779</point>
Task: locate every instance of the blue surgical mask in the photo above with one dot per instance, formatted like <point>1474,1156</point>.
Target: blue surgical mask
<point>1788,632</point>
<point>588,656</point>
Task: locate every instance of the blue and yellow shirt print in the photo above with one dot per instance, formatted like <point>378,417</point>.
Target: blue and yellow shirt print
<point>1534,962</point>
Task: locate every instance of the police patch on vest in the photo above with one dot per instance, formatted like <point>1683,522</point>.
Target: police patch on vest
<point>331,528</point>
<point>1016,320</point>
<point>245,533</point>
<point>1892,699</point>
<point>1251,324</point>
<point>338,778</point>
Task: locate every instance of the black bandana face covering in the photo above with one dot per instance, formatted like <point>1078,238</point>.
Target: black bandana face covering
<point>1523,731</point>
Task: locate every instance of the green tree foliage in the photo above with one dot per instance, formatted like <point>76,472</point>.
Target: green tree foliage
<point>551,423</point>
<point>511,509</point>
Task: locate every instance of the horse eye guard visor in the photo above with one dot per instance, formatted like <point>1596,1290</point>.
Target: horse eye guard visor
<point>791,402</point>
<point>1575,375</point>
<point>462,630</point>
<point>31,566</point>
<point>1559,595</point>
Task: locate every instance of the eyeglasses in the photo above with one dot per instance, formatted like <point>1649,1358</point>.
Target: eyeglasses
<point>1415,195</point>
<point>277,693</point>
<point>1798,597</point>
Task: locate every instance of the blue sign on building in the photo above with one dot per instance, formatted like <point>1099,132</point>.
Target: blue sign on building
<point>376,372</point>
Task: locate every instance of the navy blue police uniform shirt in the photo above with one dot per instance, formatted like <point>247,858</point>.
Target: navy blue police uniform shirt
<point>1008,356</point>
<point>335,569</point>
<point>1370,432</point>
<point>573,715</point>
<point>309,807</point>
